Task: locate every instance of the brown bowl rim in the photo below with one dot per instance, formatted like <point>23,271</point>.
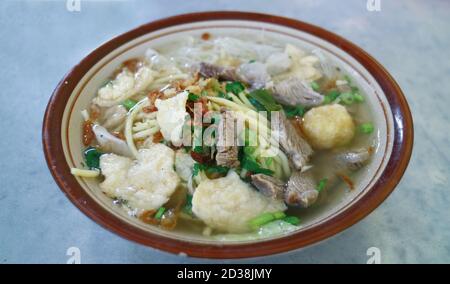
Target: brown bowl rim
<point>396,166</point>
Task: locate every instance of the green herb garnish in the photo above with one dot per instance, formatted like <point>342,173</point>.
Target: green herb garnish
<point>331,96</point>
<point>197,168</point>
<point>252,166</point>
<point>347,98</point>
<point>92,157</point>
<point>292,220</point>
<point>262,219</point>
<point>221,170</point>
<point>209,169</point>
<point>366,128</point>
<point>315,86</point>
<point>221,94</point>
<point>292,111</point>
<point>188,205</point>
<point>129,103</point>
<point>358,98</point>
<point>234,87</point>
<point>265,218</point>
<point>160,213</point>
<point>257,105</point>
<point>193,97</point>
<point>321,185</point>
<point>266,99</point>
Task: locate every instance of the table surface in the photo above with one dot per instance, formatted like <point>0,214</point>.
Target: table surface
<point>42,40</point>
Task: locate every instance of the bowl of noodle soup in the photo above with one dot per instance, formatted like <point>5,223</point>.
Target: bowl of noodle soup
<point>114,128</point>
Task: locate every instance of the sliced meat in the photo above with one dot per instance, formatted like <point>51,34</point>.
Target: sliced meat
<point>354,160</point>
<point>294,91</point>
<point>301,190</point>
<point>293,144</point>
<point>208,70</point>
<point>253,74</point>
<point>227,150</point>
<point>268,185</point>
<point>228,158</point>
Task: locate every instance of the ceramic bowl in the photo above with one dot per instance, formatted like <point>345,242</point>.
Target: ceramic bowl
<point>63,146</point>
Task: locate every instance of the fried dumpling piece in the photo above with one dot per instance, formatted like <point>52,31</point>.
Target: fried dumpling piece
<point>184,164</point>
<point>146,183</point>
<point>125,85</point>
<point>328,126</point>
<point>227,204</point>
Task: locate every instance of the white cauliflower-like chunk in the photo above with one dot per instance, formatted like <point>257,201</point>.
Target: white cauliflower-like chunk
<point>228,204</point>
<point>278,63</point>
<point>146,183</point>
<point>160,63</point>
<point>184,164</point>
<point>171,116</point>
<point>125,85</point>
<point>303,66</point>
<point>328,126</point>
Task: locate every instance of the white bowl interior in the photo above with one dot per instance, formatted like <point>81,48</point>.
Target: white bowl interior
<point>94,78</point>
